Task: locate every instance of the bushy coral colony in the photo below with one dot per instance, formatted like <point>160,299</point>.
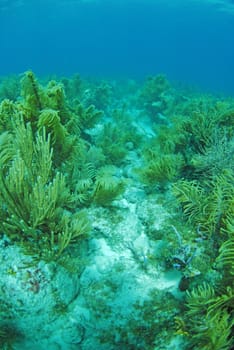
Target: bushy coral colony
<point>70,146</point>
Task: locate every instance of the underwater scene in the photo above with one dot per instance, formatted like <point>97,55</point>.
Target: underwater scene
<point>117,175</point>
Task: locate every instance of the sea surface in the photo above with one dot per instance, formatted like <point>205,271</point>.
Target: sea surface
<point>190,41</point>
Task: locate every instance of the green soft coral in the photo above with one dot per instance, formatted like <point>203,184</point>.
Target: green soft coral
<point>33,194</point>
<point>209,321</point>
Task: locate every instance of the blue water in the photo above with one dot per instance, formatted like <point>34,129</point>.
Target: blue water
<point>189,41</point>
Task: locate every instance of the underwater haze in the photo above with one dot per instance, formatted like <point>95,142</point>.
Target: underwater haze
<point>189,41</point>
<point>116,175</point>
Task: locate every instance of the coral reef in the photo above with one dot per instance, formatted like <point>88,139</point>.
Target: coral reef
<point>117,222</point>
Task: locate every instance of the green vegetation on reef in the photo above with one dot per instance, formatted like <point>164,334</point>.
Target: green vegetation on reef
<point>8,336</point>
<point>209,318</point>
<point>107,187</point>
<point>160,169</point>
<point>190,159</point>
<point>60,156</point>
<point>41,134</point>
<point>155,96</point>
<point>205,193</point>
<point>35,196</point>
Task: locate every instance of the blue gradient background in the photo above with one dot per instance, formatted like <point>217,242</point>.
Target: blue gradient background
<point>192,42</point>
